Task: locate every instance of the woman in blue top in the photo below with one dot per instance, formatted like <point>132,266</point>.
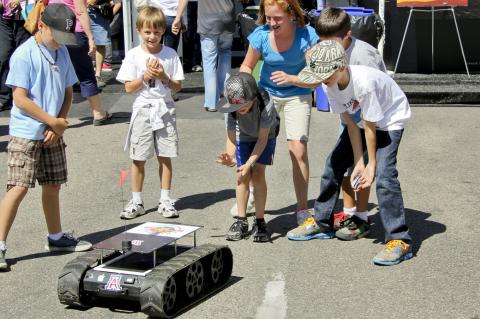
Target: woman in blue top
<point>283,42</point>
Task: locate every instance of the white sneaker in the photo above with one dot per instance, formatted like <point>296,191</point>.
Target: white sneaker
<point>167,208</point>
<point>250,206</point>
<point>132,210</point>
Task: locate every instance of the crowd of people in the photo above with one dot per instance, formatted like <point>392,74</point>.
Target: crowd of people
<point>295,58</point>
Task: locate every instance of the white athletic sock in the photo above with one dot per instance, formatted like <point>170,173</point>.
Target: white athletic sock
<point>362,215</point>
<point>164,194</point>
<point>137,197</point>
<point>350,211</point>
<point>56,236</point>
<point>3,245</point>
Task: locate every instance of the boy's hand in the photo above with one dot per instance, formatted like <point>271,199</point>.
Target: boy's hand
<point>357,171</point>
<point>242,173</point>
<point>281,78</point>
<point>368,177</point>
<point>50,137</point>
<point>226,159</point>
<point>59,125</point>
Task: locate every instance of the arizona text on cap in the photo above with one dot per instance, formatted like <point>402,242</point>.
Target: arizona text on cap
<point>61,20</point>
<point>326,57</point>
<point>239,90</point>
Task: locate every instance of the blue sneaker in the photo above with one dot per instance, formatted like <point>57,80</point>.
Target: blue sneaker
<point>395,252</point>
<point>67,243</point>
<point>309,230</point>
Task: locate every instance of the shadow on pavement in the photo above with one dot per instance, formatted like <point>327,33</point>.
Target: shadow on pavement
<point>203,200</point>
<point>131,307</point>
<point>118,117</point>
<point>420,227</point>
<point>93,238</point>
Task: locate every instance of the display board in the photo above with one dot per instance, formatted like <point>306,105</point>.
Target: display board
<point>432,3</point>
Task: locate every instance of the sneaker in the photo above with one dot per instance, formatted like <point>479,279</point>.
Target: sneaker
<point>67,243</point>
<point>339,219</point>
<point>238,230</point>
<point>167,208</point>
<point>3,261</point>
<point>250,206</point>
<point>354,228</point>
<point>395,252</point>
<point>303,215</point>
<point>197,68</point>
<point>106,67</point>
<point>260,232</point>
<point>309,230</point>
<point>100,83</point>
<point>105,120</point>
<point>132,210</point>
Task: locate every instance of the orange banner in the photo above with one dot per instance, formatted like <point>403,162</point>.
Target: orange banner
<point>432,3</point>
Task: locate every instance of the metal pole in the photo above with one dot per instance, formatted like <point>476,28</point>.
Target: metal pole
<point>154,258</point>
<point>175,245</point>
<point>460,40</point>
<point>433,39</point>
<point>381,13</point>
<point>403,40</point>
<point>195,239</point>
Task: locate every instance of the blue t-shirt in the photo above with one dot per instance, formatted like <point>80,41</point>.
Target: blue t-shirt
<point>291,61</point>
<point>46,86</point>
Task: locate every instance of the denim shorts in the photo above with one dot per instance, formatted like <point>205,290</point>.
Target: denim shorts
<point>30,160</point>
<point>245,149</point>
<point>100,28</point>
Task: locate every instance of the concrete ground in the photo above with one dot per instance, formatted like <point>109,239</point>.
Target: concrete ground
<point>438,167</point>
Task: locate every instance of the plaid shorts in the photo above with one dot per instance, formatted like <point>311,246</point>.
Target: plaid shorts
<point>30,160</point>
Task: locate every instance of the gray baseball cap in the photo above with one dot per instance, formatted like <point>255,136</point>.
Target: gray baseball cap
<point>61,20</point>
<point>326,57</point>
<point>239,90</point>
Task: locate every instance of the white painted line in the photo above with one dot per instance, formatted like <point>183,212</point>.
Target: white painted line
<point>274,305</point>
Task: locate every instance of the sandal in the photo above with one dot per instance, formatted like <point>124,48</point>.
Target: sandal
<point>105,120</point>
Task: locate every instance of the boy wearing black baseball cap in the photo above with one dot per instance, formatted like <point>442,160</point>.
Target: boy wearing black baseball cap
<point>252,126</point>
<point>41,77</point>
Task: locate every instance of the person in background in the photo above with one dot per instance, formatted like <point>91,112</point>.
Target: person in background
<point>12,34</point>
<point>81,56</point>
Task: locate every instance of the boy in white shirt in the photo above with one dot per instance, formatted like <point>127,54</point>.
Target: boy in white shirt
<point>385,111</point>
<point>151,71</point>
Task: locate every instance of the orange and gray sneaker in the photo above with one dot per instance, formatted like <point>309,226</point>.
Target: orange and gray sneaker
<point>394,252</point>
<point>310,230</point>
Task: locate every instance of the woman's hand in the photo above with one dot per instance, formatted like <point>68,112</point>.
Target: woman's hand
<point>92,47</point>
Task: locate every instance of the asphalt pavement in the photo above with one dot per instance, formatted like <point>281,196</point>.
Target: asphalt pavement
<point>438,168</point>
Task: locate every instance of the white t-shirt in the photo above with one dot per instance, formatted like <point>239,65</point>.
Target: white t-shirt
<point>134,66</point>
<point>169,7</point>
<point>361,53</point>
<point>377,95</point>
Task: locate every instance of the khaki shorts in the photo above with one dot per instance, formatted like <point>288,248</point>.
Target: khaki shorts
<point>297,110</point>
<point>30,160</point>
<point>145,143</point>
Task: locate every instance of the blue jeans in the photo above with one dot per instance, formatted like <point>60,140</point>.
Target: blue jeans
<point>169,39</point>
<point>389,193</point>
<point>217,61</point>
